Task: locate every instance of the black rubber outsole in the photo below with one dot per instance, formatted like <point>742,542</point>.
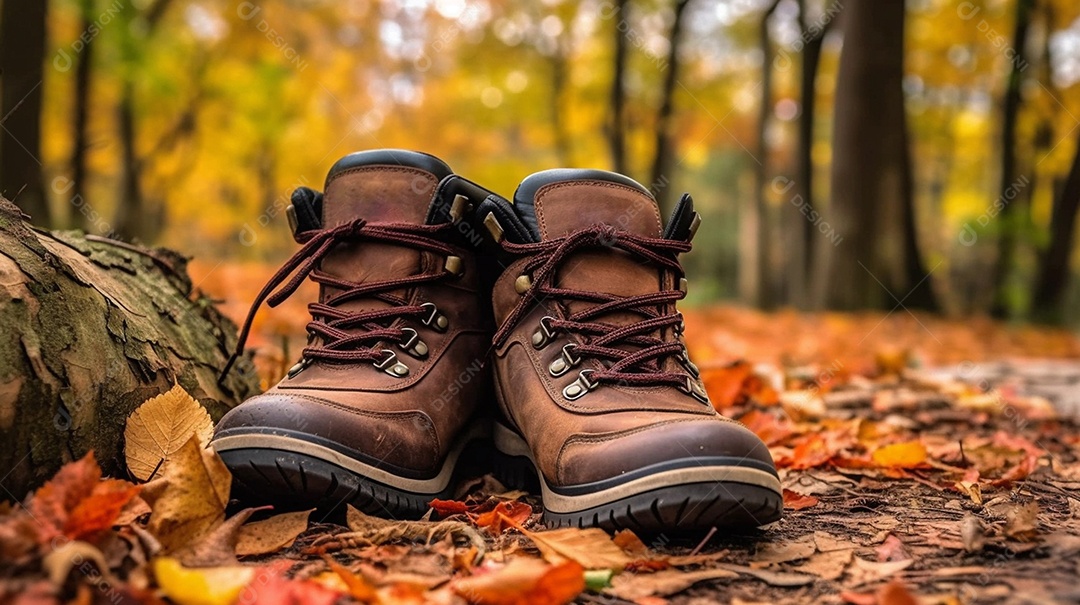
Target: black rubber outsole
<point>674,509</point>
<point>292,480</point>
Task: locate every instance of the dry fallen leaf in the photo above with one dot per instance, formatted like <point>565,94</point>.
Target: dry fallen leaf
<point>523,581</point>
<point>864,572</point>
<point>159,427</point>
<point>911,454</point>
<point>492,521</point>
<point>192,501</point>
<point>207,586</point>
<point>77,503</point>
<point>273,534</point>
<point>634,587</point>
<point>591,547</point>
<point>782,552</point>
<point>373,530</point>
<point>797,501</point>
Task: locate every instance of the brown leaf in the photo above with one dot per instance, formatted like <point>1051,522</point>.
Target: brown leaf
<point>782,552</point>
<point>895,593</point>
<point>630,544</point>
<point>273,534</point>
<point>192,501</point>
<point>373,530</point>
<point>77,504</point>
<point>159,427</point>
<point>591,547</point>
<point>523,581</point>
<point>772,578</point>
<point>633,587</point>
<point>797,501</point>
<point>216,548</point>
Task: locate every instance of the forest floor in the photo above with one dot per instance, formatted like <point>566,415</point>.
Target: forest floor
<point>924,460</point>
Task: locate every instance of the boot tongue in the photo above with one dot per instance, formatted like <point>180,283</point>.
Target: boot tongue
<point>388,185</point>
<point>558,202</point>
<point>384,186</point>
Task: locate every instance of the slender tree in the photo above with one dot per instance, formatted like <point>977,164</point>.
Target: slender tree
<point>616,126</point>
<point>22,57</point>
<point>768,278</point>
<point>81,144</point>
<point>874,260</point>
<point>1014,196</point>
<point>664,157</point>
<point>1054,270</point>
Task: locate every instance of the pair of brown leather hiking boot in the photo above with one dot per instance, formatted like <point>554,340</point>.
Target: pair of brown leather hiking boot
<point>451,320</point>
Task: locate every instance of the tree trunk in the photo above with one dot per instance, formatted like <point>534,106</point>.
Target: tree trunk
<point>1054,270</point>
<point>617,121</point>
<point>22,55</point>
<point>663,160</point>
<point>1010,192</point>
<point>766,297</point>
<point>871,260</point>
<point>80,145</point>
<point>89,329</point>
<point>801,249</point>
<point>133,218</point>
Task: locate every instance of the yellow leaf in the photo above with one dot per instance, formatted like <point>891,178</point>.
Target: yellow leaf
<point>192,501</point>
<point>273,534</point>
<point>159,427</point>
<point>205,586</point>
<point>901,455</point>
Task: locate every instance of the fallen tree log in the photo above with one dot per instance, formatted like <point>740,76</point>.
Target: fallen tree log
<point>89,329</point>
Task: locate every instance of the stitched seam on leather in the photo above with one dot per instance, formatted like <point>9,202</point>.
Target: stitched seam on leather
<point>546,189</point>
<point>415,171</point>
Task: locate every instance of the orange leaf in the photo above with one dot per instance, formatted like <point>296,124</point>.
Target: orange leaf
<point>630,544</point>
<point>725,385</point>
<point>524,581</point>
<point>771,429</point>
<point>77,504</point>
<point>811,453</point>
<point>359,588</point>
<point>895,593</point>
<point>797,501</point>
<point>493,520</point>
<point>910,454</point>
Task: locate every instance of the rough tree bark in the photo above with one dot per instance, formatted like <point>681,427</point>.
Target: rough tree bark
<point>89,329</point>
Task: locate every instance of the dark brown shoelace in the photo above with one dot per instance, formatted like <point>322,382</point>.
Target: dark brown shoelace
<point>602,340</point>
<point>348,336</point>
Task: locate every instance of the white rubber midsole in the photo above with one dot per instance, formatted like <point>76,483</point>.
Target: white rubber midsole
<point>287,444</point>
<point>510,443</point>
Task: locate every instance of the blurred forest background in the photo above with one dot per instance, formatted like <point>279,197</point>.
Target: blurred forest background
<point>846,154</point>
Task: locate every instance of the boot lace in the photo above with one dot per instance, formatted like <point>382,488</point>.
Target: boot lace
<point>601,340</point>
<point>348,336</point>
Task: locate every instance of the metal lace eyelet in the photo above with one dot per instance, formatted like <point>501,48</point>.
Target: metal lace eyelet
<point>544,334</point>
<point>299,367</point>
<point>581,386</point>
<point>412,344</point>
<point>391,365</point>
<point>684,361</point>
<point>695,390</point>
<point>565,361</point>
<point>434,320</point>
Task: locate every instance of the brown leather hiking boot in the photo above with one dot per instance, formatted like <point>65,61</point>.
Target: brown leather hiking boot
<point>596,391</point>
<point>380,409</point>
